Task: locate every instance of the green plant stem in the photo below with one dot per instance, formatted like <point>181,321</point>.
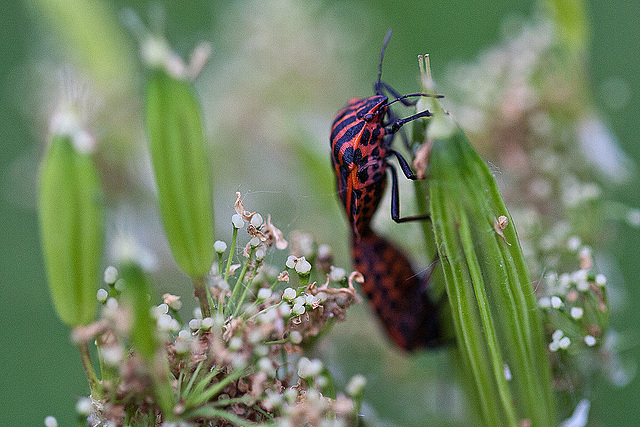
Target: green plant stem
<point>244,295</point>
<point>238,285</point>
<point>303,282</point>
<point>231,252</point>
<point>201,294</point>
<point>94,383</point>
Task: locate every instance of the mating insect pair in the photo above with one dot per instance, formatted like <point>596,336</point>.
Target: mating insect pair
<point>361,138</point>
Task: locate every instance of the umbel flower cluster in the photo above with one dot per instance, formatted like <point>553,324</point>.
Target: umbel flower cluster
<point>243,364</point>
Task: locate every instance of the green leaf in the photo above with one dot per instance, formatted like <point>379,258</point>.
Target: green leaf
<point>181,167</point>
<point>72,230</point>
<point>492,301</point>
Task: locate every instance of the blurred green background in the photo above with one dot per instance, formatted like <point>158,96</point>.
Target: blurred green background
<point>278,73</point>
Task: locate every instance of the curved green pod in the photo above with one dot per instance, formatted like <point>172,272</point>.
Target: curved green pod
<point>492,301</point>
<point>72,229</point>
<point>181,168</point>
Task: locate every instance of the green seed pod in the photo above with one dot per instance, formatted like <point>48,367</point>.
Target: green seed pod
<point>72,229</point>
<point>136,295</point>
<point>495,316</point>
<point>181,168</point>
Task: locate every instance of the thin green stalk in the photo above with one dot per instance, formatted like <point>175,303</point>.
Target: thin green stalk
<point>231,252</point>
<point>238,285</point>
<point>303,282</point>
<point>94,383</point>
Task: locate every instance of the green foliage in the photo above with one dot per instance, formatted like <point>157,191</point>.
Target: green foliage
<point>488,286</point>
<point>181,167</point>
<point>72,228</point>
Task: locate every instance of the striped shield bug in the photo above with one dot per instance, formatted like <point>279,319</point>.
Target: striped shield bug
<point>361,137</point>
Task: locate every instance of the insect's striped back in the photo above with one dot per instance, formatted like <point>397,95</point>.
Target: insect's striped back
<point>396,293</point>
<point>358,158</point>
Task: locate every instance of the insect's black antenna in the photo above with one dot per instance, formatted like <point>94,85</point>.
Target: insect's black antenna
<point>411,94</point>
<point>384,46</point>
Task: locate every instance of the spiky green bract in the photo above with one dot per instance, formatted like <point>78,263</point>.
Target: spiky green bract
<point>181,167</point>
<point>491,296</point>
<point>72,229</point>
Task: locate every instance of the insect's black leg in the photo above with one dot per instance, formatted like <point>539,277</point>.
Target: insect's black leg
<point>398,123</point>
<point>395,201</point>
<point>404,165</point>
<point>403,135</point>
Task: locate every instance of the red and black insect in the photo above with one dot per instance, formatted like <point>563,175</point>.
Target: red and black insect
<point>361,138</point>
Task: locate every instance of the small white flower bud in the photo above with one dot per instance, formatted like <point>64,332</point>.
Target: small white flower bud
<point>182,346</point>
<point>195,324</point>
<point>544,302</point>
<point>175,325</point>
<point>50,421</point>
<point>110,275</point>
<point>184,334</point>
<point>291,261</point>
<point>165,322</point>
<point>564,342</point>
<point>322,297</point>
<point>266,366</point>
<point>590,340</point>
<point>298,309</point>
<point>197,313</point>
<point>553,346</point>
<point>557,335</point>
<point>112,304</point>
<point>573,244</point>
<point>356,385</point>
<point>289,294</point>
<point>321,381</point>
<point>284,310</point>
<point>235,343</point>
<point>207,323</point>
<point>112,355</point>
<point>256,220</point>
<point>263,294</point>
<point>633,217</point>
<point>254,242</point>
<point>261,350</point>
<point>601,280</point>
<point>309,368</point>
<point>299,300</point>
<point>303,266</point>
<point>237,221</point>
<point>336,274</point>
<point>83,406</point>
<point>119,285</point>
<point>162,309</point>
<point>268,316</point>
<point>556,302</point>
<point>219,246</point>
<point>102,295</point>
<point>260,253</point>
<point>577,312</point>
<point>295,337</point>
